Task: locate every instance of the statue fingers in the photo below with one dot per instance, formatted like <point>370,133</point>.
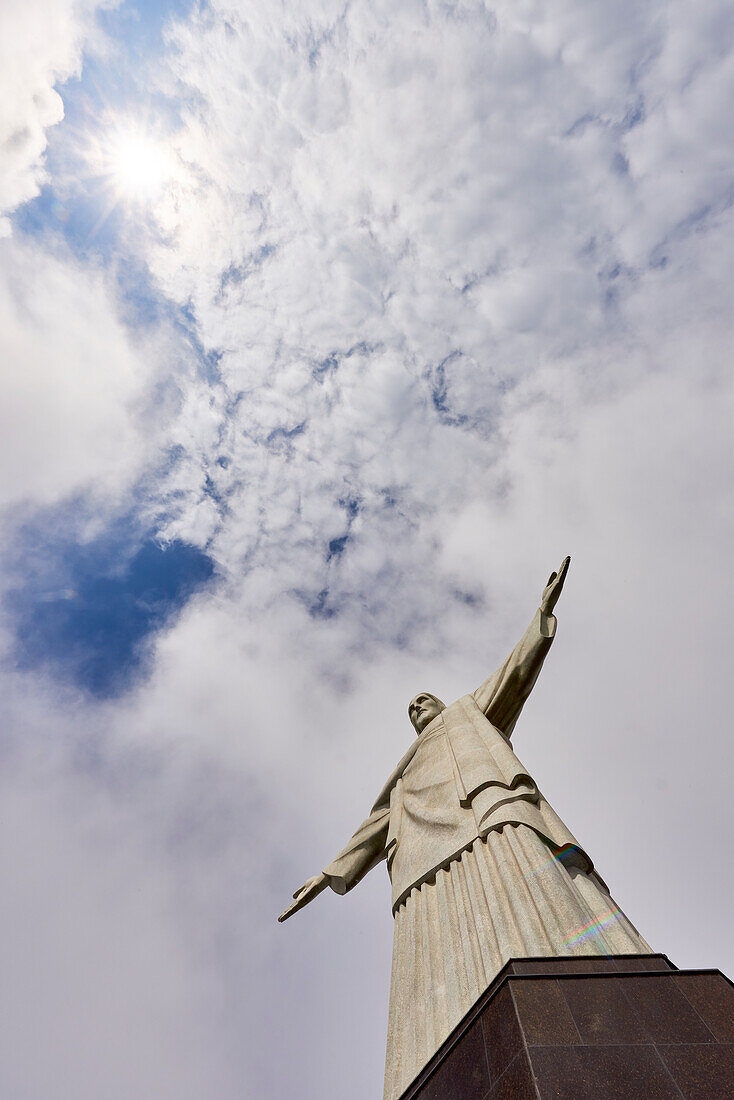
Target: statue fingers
<point>307,883</point>
<point>303,896</point>
<point>561,575</point>
<point>289,912</point>
<point>293,908</point>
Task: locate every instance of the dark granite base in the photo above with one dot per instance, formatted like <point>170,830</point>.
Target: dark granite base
<point>590,1029</point>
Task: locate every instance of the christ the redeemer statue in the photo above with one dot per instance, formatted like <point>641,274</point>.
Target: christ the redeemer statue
<point>482,868</point>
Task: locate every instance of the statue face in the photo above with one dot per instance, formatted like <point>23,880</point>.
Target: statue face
<point>423,709</point>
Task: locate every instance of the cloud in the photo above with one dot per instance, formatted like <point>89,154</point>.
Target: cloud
<point>486,244</point>
<point>74,383</point>
<point>43,42</point>
<point>100,966</point>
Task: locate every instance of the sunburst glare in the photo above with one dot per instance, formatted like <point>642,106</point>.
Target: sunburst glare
<point>134,164</point>
<point>138,165</point>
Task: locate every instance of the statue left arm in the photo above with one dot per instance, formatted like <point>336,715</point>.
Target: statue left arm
<point>503,695</point>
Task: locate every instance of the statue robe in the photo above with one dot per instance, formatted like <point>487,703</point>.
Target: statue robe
<point>482,868</point>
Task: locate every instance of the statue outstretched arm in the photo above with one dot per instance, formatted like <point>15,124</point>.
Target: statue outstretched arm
<point>365,850</point>
<point>503,695</point>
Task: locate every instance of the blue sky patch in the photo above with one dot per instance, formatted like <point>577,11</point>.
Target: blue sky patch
<point>88,613</point>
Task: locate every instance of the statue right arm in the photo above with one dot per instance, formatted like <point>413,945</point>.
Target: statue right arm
<point>363,852</point>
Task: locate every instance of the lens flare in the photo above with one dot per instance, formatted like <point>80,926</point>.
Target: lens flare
<point>594,927</point>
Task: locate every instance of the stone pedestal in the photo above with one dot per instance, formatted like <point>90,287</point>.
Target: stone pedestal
<point>590,1029</point>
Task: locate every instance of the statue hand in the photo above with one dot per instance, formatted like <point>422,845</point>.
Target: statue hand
<point>554,587</point>
<point>304,895</point>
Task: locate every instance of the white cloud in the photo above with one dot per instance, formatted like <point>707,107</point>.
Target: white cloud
<point>100,848</point>
<point>74,383</point>
<point>41,46</point>
<point>451,216</point>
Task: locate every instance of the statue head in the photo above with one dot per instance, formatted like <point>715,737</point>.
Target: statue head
<point>423,709</point>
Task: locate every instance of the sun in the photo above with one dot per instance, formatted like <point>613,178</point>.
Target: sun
<point>138,166</point>
<point>134,169</point>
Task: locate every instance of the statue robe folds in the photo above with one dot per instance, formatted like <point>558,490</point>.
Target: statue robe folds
<point>482,868</point>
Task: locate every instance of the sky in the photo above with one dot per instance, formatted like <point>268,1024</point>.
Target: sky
<point>327,330</point>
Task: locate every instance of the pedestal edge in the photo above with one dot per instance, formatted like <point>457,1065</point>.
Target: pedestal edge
<point>558,972</point>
